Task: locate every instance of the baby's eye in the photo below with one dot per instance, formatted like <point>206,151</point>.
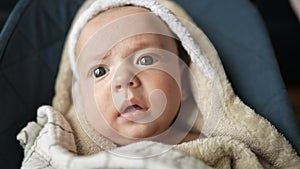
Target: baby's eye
<point>146,60</point>
<point>100,71</point>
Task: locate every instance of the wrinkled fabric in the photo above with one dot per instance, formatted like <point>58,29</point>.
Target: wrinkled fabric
<point>52,145</point>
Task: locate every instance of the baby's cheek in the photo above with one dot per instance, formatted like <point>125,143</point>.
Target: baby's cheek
<point>102,98</point>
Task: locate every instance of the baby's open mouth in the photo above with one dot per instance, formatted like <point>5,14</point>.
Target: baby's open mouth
<point>133,112</point>
<point>133,108</point>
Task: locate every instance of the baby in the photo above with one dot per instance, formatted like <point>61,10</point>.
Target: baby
<point>132,78</point>
<point>147,83</point>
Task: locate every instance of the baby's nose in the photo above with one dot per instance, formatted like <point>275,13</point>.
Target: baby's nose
<point>125,80</point>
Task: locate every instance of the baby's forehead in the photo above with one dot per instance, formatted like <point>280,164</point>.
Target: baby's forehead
<point>116,24</point>
<point>113,14</point>
<point>104,18</point>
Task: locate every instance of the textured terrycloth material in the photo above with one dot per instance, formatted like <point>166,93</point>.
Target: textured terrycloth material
<point>49,143</point>
<point>242,139</point>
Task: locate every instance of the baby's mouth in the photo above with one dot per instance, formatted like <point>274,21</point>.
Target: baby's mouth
<point>133,112</point>
<point>132,108</point>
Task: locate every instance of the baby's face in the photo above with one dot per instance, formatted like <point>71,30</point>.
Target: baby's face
<point>135,84</point>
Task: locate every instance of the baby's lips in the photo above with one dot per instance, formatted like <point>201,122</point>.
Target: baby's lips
<point>134,115</point>
<point>136,102</point>
<point>133,109</point>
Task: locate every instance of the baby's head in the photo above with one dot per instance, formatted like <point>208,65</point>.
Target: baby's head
<point>131,77</point>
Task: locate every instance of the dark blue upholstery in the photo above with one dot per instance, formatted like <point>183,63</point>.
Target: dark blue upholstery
<point>237,31</point>
<point>31,43</point>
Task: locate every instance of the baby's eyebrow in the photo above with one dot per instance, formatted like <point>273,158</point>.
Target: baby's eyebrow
<point>142,42</point>
<point>106,54</point>
<point>139,42</point>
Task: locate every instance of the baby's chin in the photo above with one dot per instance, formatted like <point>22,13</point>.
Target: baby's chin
<point>128,137</point>
<point>123,140</point>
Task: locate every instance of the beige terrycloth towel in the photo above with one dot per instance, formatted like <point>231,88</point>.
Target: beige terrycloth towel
<point>241,139</point>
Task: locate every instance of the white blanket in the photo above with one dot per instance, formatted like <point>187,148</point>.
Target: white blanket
<point>49,143</point>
